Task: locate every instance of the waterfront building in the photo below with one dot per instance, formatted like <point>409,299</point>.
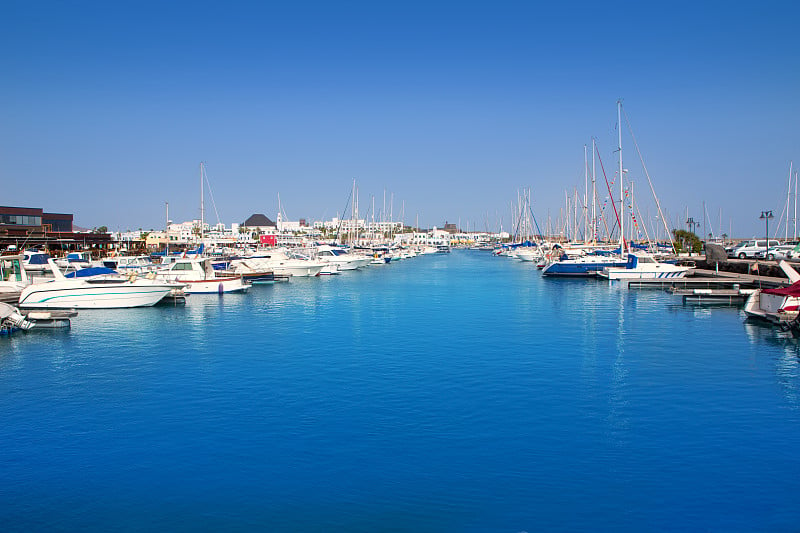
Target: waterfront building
<point>31,227</point>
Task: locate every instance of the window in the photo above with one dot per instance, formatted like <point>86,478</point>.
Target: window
<point>21,220</point>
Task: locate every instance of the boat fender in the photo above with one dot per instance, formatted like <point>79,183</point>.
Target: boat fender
<point>219,288</point>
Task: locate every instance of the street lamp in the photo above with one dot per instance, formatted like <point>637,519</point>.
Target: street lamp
<point>691,223</point>
<point>765,216</point>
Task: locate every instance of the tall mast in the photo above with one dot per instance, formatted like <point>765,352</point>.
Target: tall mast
<point>594,196</point>
<point>166,234</point>
<point>585,195</point>
<point>202,206</point>
<point>788,196</point>
<point>621,186</point>
<point>795,205</point>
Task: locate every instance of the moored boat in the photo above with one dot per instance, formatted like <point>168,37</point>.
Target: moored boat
<point>584,266</point>
<point>199,277</point>
<point>644,266</point>
<point>780,306</point>
<point>103,291</point>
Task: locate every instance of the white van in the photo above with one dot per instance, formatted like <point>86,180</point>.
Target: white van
<point>748,249</point>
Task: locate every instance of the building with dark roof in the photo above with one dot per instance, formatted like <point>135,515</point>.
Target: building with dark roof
<point>259,221</point>
<point>451,228</point>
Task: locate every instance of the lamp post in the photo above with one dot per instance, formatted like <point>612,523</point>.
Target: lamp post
<point>691,223</point>
<point>765,216</point>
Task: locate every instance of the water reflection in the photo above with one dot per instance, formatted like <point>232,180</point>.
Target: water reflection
<point>619,422</point>
<point>786,346</point>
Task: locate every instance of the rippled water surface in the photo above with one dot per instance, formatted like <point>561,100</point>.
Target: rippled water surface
<point>456,392</point>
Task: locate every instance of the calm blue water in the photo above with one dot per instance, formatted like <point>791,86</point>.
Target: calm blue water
<point>443,393</point>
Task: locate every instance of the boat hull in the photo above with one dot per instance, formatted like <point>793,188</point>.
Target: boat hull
<point>215,286</point>
<point>620,274</point>
<point>46,296</point>
<point>570,268</point>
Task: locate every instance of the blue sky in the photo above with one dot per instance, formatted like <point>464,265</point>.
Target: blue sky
<point>108,107</point>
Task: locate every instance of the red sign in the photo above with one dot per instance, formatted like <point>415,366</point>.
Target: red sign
<point>269,240</point>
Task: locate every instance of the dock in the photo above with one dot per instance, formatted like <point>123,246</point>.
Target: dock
<point>51,319</point>
<point>713,296</point>
<point>708,287</point>
<point>708,279</point>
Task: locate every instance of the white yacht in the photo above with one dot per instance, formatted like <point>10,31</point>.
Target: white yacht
<point>35,261</point>
<point>75,260</point>
<point>281,264</point>
<point>129,263</point>
<point>199,277</point>
<point>644,266</point>
<point>13,277</point>
<point>340,257</point>
<point>779,306</point>
<point>105,291</point>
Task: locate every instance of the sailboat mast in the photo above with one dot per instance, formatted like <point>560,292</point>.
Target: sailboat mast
<point>788,197</point>
<point>585,195</point>
<point>166,234</point>
<point>594,196</point>
<point>621,186</point>
<point>795,205</point>
<point>202,205</point>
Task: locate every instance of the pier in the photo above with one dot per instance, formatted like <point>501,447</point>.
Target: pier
<point>711,287</point>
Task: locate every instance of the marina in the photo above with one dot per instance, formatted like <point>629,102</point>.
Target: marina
<point>415,390</point>
<point>369,266</point>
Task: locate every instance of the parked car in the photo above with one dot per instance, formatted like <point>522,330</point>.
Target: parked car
<point>748,249</point>
<point>776,253</point>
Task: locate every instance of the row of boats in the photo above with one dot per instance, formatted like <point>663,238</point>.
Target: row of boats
<point>581,260</point>
<point>76,282</point>
<point>778,306</point>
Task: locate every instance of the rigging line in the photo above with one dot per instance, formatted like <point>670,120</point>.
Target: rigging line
<point>339,227</point>
<point>530,208</point>
<point>602,214</point>
<point>636,211</point>
<point>610,194</point>
<point>785,210</point>
<point>211,193</point>
<point>708,219</point>
<point>649,181</point>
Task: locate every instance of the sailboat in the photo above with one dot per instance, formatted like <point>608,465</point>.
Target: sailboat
<point>590,263</point>
<point>639,265</point>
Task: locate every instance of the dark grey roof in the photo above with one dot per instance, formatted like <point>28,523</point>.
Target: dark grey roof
<point>258,220</point>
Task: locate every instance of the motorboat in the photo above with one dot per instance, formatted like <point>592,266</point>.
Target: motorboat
<point>282,264</point>
<point>529,254</point>
<point>35,261</point>
<point>642,265</point>
<point>13,277</point>
<point>75,260</point>
<point>343,259</point>
<point>129,263</point>
<point>98,291</point>
<point>199,277</point>
<point>780,306</point>
<point>249,271</point>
